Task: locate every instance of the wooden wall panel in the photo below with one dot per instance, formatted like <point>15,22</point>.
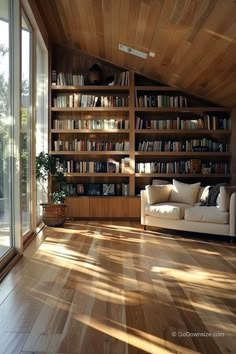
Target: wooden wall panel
<point>194,41</point>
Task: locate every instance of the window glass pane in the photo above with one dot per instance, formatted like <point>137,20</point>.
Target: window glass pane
<point>5,132</point>
<point>26,127</point>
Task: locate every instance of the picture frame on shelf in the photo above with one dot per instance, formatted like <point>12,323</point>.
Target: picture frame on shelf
<point>108,189</point>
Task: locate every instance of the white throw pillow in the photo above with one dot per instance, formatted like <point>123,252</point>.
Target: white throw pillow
<point>204,194</point>
<point>224,199</point>
<point>158,194</point>
<point>184,192</point>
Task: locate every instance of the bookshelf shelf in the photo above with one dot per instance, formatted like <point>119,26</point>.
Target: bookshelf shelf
<point>183,131</point>
<point>183,154</point>
<point>180,109</point>
<point>90,109</point>
<point>156,88</point>
<point>89,131</point>
<point>181,175</point>
<point>89,153</point>
<point>92,88</point>
<point>113,175</point>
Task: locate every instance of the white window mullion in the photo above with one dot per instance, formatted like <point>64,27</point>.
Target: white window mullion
<point>15,87</point>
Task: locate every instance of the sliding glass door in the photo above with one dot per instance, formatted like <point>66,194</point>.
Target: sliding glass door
<point>18,124</point>
<point>6,121</point>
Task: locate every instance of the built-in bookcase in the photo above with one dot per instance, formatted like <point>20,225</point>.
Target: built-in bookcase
<point>113,138</point>
<point>179,136</point>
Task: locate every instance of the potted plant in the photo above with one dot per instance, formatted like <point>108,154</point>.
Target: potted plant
<point>48,169</point>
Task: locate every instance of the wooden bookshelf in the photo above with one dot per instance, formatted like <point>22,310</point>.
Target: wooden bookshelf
<point>192,110</point>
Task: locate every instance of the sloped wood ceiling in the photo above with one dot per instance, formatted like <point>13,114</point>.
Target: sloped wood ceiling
<point>194,41</point>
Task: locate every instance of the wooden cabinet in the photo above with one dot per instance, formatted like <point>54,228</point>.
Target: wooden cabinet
<point>103,207</point>
<point>112,140</point>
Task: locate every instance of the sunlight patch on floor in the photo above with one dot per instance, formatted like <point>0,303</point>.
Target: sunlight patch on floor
<point>138,339</point>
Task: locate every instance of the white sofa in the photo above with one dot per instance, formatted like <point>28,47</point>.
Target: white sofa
<point>177,206</point>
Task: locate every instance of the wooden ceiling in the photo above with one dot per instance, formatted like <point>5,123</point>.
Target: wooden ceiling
<point>194,41</point>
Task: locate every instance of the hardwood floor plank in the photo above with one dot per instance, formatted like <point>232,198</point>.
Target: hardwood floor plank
<point>12,343</point>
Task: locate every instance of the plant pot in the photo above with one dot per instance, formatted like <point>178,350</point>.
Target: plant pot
<point>53,214</point>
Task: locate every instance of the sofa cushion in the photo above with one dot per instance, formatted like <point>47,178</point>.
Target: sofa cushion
<point>158,194</point>
<point>184,193</point>
<point>206,214</point>
<point>173,211</point>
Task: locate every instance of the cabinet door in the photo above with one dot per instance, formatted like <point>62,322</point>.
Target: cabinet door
<point>135,207</point>
<point>119,207</point>
<point>78,207</point>
<point>99,207</point>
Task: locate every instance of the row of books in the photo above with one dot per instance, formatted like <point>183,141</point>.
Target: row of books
<point>215,167</point>
<point>77,100</point>
<point>72,79</point>
<point>71,166</point>
<point>160,101</point>
<point>91,124</point>
<point>205,122</point>
<point>182,166</point>
<point>121,79</point>
<point>201,145</point>
<point>97,189</point>
<point>66,79</point>
<point>88,145</point>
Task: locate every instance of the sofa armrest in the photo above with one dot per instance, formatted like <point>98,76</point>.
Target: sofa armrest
<point>232,215</point>
<point>143,205</point>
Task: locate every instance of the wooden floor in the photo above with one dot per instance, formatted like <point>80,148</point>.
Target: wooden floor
<point>103,288</point>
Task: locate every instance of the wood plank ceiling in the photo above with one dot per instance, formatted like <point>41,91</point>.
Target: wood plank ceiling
<point>194,41</point>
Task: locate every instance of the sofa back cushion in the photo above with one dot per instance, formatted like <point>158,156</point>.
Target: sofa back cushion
<point>158,194</point>
<point>224,199</point>
<point>184,192</point>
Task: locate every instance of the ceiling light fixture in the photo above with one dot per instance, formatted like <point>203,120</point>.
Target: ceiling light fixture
<point>135,52</point>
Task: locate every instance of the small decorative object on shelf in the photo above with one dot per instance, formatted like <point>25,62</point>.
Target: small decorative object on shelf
<point>108,189</point>
<point>95,75</point>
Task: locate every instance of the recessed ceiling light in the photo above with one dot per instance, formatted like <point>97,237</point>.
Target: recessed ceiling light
<point>135,52</point>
